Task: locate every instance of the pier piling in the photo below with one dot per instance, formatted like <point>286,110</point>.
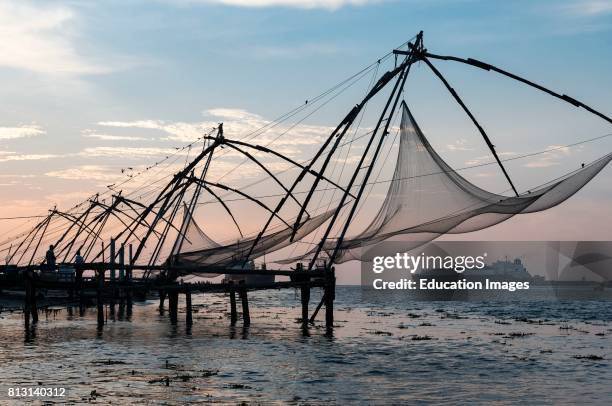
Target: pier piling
<point>246,316</point>
<point>128,276</point>
<point>233,312</point>
<point>162,299</point>
<point>188,310</point>
<point>122,263</point>
<point>33,293</point>
<point>100,298</point>
<point>330,295</point>
<point>112,260</point>
<point>305,297</point>
<point>27,309</point>
<point>173,306</point>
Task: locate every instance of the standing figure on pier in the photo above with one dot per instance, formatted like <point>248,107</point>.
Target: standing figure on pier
<point>78,259</point>
<point>50,258</point>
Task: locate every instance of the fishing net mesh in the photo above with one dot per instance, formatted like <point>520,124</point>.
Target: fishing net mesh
<point>425,199</point>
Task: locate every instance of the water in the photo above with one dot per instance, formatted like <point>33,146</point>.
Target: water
<point>385,349</point>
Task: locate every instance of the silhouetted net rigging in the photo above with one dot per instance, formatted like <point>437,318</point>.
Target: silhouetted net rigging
<point>427,198</point>
<point>236,253</point>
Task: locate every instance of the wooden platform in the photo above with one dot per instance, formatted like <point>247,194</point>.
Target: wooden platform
<point>109,286</point>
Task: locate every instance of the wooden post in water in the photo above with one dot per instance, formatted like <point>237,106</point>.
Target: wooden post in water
<point>112,260</point>
<point>33,305</point>
<point>246,316</point>
<point>189,316</point>
<point>121,290</point>
<point>78,281</point>
<point>233,312</point>
<point>330,295</point>
<point>305,296</point>
<point>314,314</point>
<point>122,263</point>
<point>27,305</point>
<point>173,305</point>
<point>128,275</point>
<point>304,291</point>
<point>162,299</point>
<point>131,262</point>
<point>100,298</point>
<point>112,278</point>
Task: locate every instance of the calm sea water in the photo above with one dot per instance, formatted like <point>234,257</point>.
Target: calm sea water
<point>385,350</point>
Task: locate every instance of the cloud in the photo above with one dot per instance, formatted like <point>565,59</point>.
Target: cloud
<point>303,4</point>
<point>588,8</point>
<point>541,163</point>
<point>233,114</point>
<point>10,133</point>
<point>64,198</point>
<point>550,158</point>
<point>86,172</point>
<point>26,157</point>
<point>38,39</point>
<point>237,124</point>
<point>125,152</point>
<point>177,131</point>
<point>459,145</point>
<point>11,176</point>
<point>108,137</point>
<point>488,159</point>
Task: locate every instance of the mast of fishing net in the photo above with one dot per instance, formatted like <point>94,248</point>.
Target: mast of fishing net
<point>190,209</point>
<point>392,101</point>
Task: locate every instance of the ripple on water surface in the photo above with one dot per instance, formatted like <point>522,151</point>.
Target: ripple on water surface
<point>382,351</point>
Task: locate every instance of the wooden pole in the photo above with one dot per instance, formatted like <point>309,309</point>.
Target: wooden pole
<point>173,305</point>
<point>189,317</point>
<point>128,275</point>
<point>314,314</point>
<point>112,277</point>
<point>28,296</point>
<point>33,306</point>
<point>122,263</point>
<point>121,312</point>
<point>112,260</point>
<point>233,312</point>
<point>121,291</point>
<point>81,297</point>
<point>246,316</point>
<point>162,299</point>
<point>305,296</point>
<point>330,294</point>
<point>100,299</point>
<point>78,281</point>
<point>131,259</point>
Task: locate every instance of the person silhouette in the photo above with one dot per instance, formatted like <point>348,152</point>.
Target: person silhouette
<point>50,258</point>
<point>78,259</point>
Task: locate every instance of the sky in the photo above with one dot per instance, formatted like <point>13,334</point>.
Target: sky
<point>90,88</point>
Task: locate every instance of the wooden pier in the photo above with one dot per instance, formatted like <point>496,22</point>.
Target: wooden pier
<point>106,287</point>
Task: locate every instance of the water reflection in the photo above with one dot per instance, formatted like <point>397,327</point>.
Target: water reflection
<point>382,349</point>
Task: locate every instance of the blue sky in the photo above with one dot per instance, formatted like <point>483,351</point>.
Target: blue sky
<point>88,88</point>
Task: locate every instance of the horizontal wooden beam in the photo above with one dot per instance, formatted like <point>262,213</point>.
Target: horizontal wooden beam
<point>95,266</point>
